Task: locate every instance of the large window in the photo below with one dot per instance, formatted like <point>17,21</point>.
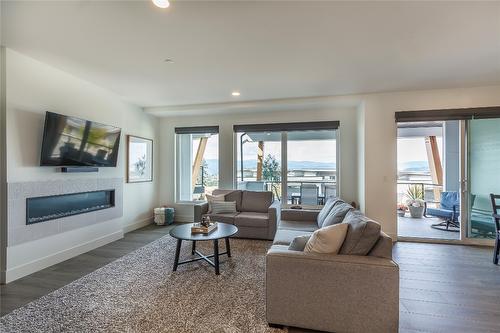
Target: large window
<point>296,161</point>
<point>197,162</point>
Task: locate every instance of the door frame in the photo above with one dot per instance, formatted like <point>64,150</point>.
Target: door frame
<point>464,199</point>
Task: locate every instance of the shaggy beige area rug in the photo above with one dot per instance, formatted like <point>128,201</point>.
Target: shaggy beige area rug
<point>140,293</point>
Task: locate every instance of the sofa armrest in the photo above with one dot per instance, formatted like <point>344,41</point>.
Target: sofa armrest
<point>274,212</point>
<point>299,214</point>
<point>334,293</point>
<point>199,210</point>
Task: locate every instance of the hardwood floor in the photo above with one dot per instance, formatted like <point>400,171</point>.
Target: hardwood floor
<point>31,287</point>
<point>447,288</point>
<point>443,288</point>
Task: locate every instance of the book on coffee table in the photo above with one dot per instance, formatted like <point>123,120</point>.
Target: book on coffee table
<point>197,228</point>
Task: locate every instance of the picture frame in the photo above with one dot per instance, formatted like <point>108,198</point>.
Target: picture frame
<point>139,159</point>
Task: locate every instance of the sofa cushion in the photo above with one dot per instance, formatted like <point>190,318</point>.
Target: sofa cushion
<point>327,239</point>
<point>285,237</point>
<point>252,219</point>
<point>299,243</point>
<point>230,195</point>
<point>326,210</point>
<point>362,234</point>
<point>223,218</point>
<point>223,207</point>
<point>299,225</point>
<point>337,214</point>
<point>383,247</point>
<point>211,198</point>
<point>256,201</point>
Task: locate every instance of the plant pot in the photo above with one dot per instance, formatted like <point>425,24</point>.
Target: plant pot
<point>401,213</point>
<point>416,212</point>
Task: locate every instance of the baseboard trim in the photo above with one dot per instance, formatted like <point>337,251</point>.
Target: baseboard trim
<point>137,225</point>
<point>39,264</point>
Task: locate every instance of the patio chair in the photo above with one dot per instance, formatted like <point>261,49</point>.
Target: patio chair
<point>480,221</point>
<point>258,186</point>
<point>329,190</point>
<point>449,210</point>
<point>309,194</point>
<point>495,203</point>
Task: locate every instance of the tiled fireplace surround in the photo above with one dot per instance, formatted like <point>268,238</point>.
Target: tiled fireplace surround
<point>19,232</point>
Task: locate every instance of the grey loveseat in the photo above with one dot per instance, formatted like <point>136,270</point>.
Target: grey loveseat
<point>256,217</point>
<point>355,291</point>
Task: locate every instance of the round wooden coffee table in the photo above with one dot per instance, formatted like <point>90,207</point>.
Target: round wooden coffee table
<point>183,232</point>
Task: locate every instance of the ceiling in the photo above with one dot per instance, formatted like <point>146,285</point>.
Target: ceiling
<point>265,50</point>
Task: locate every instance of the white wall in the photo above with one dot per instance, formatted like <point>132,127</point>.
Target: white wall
<point>32,89</point>
<point>368,142</point>
<point>348,141</point>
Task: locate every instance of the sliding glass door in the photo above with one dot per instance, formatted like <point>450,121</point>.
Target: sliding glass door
<point>483,169</point>
<point>311,166</point>
<point>296,161</point>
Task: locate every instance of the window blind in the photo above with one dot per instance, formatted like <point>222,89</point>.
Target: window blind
<point>449,114</point>
<point>197,130</point>
<point>297,126</point>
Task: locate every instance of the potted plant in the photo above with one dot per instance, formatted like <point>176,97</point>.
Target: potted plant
<point>401,210</point>
<point>415,201</point>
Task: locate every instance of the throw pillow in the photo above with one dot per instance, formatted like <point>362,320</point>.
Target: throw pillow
<point>299,243</point>
<point>327,240</point>
<point>337,214</point>
<point>362,234</point>
<point>223,207</point>
<point>326,210</point>
<point>214,198</point>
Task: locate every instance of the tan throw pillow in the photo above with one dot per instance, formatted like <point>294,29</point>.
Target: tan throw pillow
<point>214,198</point>
<point>223,207</point>
<point>327,240</point>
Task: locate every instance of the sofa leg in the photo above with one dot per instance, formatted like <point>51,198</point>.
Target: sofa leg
<point>275,326</point>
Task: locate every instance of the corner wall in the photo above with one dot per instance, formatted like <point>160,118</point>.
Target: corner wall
<point>32,89</point>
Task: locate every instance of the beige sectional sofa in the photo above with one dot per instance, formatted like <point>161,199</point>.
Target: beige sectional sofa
<point>354,291</point>
<point>256,215</point>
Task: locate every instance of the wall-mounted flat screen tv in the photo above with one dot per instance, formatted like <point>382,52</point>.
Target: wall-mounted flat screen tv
<point>71,141</point>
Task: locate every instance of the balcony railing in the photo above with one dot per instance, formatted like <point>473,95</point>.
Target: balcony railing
<point>432,192</point>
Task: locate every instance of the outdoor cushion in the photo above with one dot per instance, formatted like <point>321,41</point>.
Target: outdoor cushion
<point>362,234</point>
<point>230,195</point>
<point>223,207</point>
<point>298,225</point>
<point>337,214</point>
<point>326,210</point>
<point>256,201</point>
<point>299,243</point>
<point>252,219</point>
<point>445,211</point>
<point>327,239</point>
<point>285,237</point>
<point>223,218</point>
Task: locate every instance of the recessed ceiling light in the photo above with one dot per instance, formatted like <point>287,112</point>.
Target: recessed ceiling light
<point>161,3</point>
<point>235,93</point>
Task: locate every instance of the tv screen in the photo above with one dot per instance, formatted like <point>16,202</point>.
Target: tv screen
<point>71,141</point>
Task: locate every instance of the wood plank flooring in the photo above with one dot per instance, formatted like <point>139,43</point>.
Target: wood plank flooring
<point>31,287</point>
<point>443,288</point>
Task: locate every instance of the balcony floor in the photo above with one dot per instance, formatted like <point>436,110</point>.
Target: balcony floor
<point>421,228</point>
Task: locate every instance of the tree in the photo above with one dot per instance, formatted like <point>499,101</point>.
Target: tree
<point>271,169</point>
<point>203,175</point>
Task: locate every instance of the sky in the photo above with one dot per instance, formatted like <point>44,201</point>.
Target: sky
<point>413,149</point>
